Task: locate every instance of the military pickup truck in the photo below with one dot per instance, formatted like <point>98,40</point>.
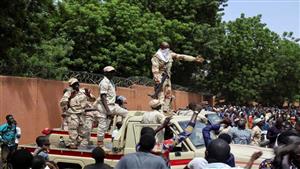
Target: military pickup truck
<point>127,138</point>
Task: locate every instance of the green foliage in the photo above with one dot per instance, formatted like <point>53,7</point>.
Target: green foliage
<point>255,65</point>
<point>121,34</point>
<point>28,45</point>
<point>196,11</point>
<point>287,65</point>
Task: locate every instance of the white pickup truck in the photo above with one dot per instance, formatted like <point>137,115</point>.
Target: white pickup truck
<point>129,135</point>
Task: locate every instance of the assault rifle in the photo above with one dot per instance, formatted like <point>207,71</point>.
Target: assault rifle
<point>159,87</point>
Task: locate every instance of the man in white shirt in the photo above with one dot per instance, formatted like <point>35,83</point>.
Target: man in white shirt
<point>256,131</point>
<point>106,102</point>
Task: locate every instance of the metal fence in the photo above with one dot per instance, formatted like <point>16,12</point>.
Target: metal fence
<point>92,78</point>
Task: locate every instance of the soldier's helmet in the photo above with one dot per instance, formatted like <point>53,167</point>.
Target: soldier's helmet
<point>72,81</point>
<point>154,103</point>
<point>109,69</point>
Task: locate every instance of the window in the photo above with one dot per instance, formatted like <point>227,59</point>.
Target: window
<point>213,118</point>
<point>196,137</point>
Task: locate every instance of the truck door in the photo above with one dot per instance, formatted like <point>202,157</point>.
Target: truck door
<point>187,150</point>
<point>182,154</point>
<point>134,134</point>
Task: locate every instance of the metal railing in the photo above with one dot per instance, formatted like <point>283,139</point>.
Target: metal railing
<point>93,78</point>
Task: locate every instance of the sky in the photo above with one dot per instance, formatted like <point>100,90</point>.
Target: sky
<point>279,15</point>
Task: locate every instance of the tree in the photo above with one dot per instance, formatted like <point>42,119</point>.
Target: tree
<point>122,34</point>
<point>25,32</point>
<point>246,67</point>
<point>196,11</point>
<point>287,81</point>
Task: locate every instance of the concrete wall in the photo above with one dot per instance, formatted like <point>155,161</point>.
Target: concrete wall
<point>34,102</point>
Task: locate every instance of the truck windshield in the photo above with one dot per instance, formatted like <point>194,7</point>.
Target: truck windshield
<point>196,137</point>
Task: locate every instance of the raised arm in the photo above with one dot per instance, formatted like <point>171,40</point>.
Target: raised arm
<point>188,58</point>
<point>206,132</point>
<point>254,157</point>
<point>163,125</point>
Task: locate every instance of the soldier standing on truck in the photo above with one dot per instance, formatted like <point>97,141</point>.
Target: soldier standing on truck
<point>74,102</point>
<point>106,102</point>
<point>161,66</point>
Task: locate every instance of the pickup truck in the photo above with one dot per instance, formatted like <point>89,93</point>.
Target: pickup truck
<point>127,138</point>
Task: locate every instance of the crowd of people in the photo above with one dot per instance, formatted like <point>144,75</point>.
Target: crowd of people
<point>270,127</point>
<point>239,125</point>
<point>259,125</point>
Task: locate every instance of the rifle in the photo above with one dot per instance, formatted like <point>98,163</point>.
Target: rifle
<point>158,88</point>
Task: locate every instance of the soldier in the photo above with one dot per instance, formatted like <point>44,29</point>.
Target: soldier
<point>106,102</point>
<point>155,116</point>
<point>162,63</point>
<point>121,101</point>
<point>74,102</point>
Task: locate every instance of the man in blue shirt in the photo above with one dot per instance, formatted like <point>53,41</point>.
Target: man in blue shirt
<point>143,158</point>
<point>216,127</point>
<point>239,134</point>
<point>7,138</point>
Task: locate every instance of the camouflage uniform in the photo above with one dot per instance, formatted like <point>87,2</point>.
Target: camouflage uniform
<point>162,62</point>
<point>76,102</point>
<point>64,125</point>
<point>155,117</point>
<point>107,87</point>
<point>90,117</point>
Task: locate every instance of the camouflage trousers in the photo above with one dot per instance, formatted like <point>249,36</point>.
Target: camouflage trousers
<point>90,118</point>
<point>64,125</point>
<point>77,131</point>
<point>165,97</point>
<point>104,122</point>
